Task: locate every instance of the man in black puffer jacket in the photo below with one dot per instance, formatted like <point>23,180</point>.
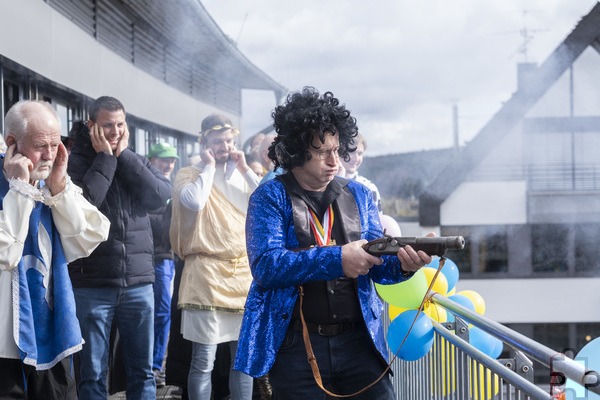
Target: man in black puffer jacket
<point>115,281</point>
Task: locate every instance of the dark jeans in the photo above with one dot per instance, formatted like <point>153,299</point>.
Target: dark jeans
<point>164,271</point>
<point>348,362</point>
<point>132,308</point>
<point>56,383</point>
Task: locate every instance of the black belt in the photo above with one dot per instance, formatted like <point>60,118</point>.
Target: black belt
<point>324,330</point>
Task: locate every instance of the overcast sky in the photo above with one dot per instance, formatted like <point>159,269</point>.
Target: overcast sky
<point>398,65</point>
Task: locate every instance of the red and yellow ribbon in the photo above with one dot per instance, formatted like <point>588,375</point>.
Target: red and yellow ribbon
<point>322,232</point>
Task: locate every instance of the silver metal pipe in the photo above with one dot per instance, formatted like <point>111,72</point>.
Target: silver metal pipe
<point>516,380</point>
<point>558,362</point>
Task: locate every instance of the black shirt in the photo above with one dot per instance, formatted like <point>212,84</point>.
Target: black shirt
<point>335,301</point>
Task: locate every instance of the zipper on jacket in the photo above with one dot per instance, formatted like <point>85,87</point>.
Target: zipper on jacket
<point>123,238</point>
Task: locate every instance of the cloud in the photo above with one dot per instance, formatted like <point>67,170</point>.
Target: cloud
<point>399,66</point>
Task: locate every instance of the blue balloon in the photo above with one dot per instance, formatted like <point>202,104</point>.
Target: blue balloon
<point>435,263</point>
<point>463,301</point>
<point>589,357</point>
<point>485,342</point>
<point>498,348</point>
<point>419,340</point>
<point>450,271</point>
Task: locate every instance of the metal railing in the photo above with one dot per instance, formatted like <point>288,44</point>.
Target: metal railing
<point>455,370</point>
<point>557,177</point>
<point>563,177</point>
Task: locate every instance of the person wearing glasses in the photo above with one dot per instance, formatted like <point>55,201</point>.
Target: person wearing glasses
<point>207,231</point>
<point>304,233</point>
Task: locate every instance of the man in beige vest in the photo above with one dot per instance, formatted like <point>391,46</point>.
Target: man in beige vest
<point>208,233</point>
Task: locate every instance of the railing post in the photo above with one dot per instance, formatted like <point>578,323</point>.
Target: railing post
<point>520,364</point>
<point>462,361</point>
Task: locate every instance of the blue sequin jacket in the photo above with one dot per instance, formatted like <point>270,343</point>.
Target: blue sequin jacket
<point>278,271</point>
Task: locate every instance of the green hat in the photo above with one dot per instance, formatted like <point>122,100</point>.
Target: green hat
<point>163,150</point>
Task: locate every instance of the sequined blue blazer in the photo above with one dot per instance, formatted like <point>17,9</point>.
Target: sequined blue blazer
<point>278,270</point>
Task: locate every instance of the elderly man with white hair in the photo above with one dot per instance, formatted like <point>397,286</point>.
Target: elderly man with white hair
<point>45,222</point>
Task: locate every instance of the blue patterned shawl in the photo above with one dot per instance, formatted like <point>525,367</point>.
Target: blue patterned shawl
<point>45,327</point>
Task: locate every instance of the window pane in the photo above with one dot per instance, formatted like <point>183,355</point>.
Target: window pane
<point>558,337</point>
<point>549,246</point>
<point>63,113</point>
<point>493,252</point>
<point>587,251</point>
<point>554,336</point>
<point>11,95</point>
<point>141,147</point>
<point>462,258</point>
<point>586,333</point>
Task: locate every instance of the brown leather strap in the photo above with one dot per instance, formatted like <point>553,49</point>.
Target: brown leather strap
<point>312,360</point>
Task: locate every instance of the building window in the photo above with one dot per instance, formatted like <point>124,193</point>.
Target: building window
<point>141,146</point>
<point>566,338</point>
<point>587,251</point>
<point>486,248</point>
<point>493,252</point>
<point>462,258</point>
<point>11,95</point>
<point>65,118</point>
<point>586,333</point>
<point>554,336</point>
<point>192,153</point>
<point>549,248</point>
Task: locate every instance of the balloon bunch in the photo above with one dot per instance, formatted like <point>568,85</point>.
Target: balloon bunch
<point>404,299</point>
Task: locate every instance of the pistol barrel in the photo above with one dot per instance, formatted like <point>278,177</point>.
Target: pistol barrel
<point>434,246</point>
<point>449,242</point>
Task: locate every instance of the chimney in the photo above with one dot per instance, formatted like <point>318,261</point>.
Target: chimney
<point>525,71</point>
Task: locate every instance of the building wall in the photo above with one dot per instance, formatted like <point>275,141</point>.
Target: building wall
<point>500,199</point>
<point>564,207</point>
<point>486,203</point>
<point>571,300</point>
<point>586,99</point>
<point>43,40</point>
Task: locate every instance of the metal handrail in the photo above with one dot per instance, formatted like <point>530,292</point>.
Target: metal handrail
<point>550,358</point>
<point>509,375</point>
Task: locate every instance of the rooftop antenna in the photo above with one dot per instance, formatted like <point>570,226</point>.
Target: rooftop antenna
<point>241,29</point>
<point>526,36</point>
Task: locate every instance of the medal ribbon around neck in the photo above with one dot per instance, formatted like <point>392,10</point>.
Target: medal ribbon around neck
<point>322,232</point>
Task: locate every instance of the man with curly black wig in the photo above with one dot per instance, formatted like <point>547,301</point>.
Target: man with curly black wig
<point>304,234</point>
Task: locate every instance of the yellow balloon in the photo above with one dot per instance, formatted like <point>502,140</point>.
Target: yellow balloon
<point>394,311</point>
<point>476,299</point>
<point>436,313</point>
<point>441,283</point>
<point>452,292</point>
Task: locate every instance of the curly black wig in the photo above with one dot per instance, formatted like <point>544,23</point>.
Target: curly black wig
<point>301,116</point>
